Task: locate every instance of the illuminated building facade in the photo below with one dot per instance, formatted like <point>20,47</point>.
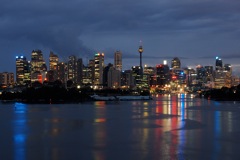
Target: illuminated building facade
<point>91,65</point>
<point>20,63</point>
<point>209,72</point>
<point>61,72</point>
<point>162,75</point>
<point>222,79</point>
<point>227,67</point>
<point>136,73</point>
<point>150,73</point>
<point>190,76</point>
<point>22,70</point>
<point>53,65</point>
<point>219,64</point>
<point>71,68</point>
<point>6,79</point>
<point>201,74</point>
<point>114,78</point>
<point>87,76</point>
<point>176,63</point>
<point>127,79</point>
<point>98,68</point>
<point>53,61</point>
<point>37,62</point>
<point>88,73</point>
<point>223,74</point>
<point>118,60</point>
<point>38,66</point>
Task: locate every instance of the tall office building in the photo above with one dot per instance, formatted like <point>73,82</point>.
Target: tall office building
<point>127,80</point>
<point>162,75</point>
<point>61,72</point>
<point>222,79</point>
<point>228,67</point>
<point>176,63</point>
<point>190,76</point>
<point>114,78</point>
<point>136,73</point>
<point>201,74</point>
<point>105,74</point>
<point>38,66</point>
<point>111,77</point>
<point>87,75</point>
<point>150,73</point>
<point>72,68</point>
<point>209,72</point>
<point>53,61</point>
<point>118,60</point>
<point>98,68</point>
<point>37,62</point>
<point>219,64</point>
<point>91,66</point>
<point>21,64</point>
<point>79,71</point>
<point>6,78</point>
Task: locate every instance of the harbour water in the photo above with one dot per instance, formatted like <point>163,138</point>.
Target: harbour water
<point>169,127</point>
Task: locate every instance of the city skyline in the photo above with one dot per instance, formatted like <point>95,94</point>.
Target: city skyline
<point>130,65</point>
<point>194,31</point>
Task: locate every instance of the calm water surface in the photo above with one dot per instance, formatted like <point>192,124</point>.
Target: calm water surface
<point>176,127</point>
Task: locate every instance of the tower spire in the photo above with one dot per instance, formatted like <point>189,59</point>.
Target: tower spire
<point>140,50</point>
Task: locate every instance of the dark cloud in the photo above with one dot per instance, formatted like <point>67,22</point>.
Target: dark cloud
<point>186,28</point>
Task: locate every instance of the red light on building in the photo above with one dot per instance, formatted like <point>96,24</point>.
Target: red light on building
<point>40,78</point>
<point>174,77</point>
<point>159,66</point>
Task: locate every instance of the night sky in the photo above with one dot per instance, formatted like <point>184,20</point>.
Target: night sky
<point>196,31</point>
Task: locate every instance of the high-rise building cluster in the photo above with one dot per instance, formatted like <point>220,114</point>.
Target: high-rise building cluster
<point>98,75</point>
<point>95,74</point>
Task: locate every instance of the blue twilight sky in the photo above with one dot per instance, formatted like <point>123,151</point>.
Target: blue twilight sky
<point>196,31</point>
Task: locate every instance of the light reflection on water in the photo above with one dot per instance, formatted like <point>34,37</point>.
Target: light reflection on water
<point>20,129</point>
<point>168,127</point>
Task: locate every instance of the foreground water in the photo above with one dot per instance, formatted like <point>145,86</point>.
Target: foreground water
<point>166,128</point>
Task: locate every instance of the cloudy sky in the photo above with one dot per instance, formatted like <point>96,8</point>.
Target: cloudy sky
<point>196,31</point>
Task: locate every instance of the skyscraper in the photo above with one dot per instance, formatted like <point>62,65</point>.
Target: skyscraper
<point>162,75</point>
<point>105,74</point>
<point>114,78</point>
<point>201,74</point>
<point>209,72</point>
<point>79,71</point>
<point>53,61</point>
<point>98,68</point>
<point>136,73</point>
<point>38,66</point>
<point>72,68</point>
<point>228,67</point>
<point>118,60</point>
<point>219,64</point>
<point>21,63</point>
<point>61,72</point>
<point>6,78</point>
<point>37,62</point>
<point>87,75</point>
<point>176,63</point>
